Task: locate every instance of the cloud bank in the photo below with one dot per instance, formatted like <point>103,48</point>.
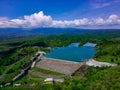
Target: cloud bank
<point>40,20</point>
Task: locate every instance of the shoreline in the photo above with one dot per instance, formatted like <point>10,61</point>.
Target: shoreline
<point>62,60</point>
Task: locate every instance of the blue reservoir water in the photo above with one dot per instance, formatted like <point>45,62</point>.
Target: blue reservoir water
<point>73,52</point>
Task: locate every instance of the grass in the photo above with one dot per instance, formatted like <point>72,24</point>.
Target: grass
<point>36,87</point>
<point>29,80</point>
<point>34,76</point>
<point>47,71</point>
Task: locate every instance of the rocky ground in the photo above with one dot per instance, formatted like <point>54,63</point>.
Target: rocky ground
<point>95,63</point>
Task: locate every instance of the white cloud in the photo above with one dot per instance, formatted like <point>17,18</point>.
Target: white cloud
<point>113,19</point>
<point>96,4</point>
<point>71,23</point>
<point>99,21</point>
<point>39,20</point>
<point>5,23</point>
<point>33,21</point>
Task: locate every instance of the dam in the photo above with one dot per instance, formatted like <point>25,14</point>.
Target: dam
<point>61,66</point>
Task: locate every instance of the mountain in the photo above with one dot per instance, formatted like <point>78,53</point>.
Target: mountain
<point>7,33</point>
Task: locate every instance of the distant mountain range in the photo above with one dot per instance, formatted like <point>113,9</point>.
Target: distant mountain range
<point>6,33</point>
<point>38,31</point>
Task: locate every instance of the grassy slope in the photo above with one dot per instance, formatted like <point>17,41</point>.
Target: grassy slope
<point>46,71</point>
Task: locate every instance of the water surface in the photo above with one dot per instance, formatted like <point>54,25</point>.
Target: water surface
<point>73,52</point>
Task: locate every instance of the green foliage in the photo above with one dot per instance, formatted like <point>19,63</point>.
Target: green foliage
<point>109,51</point>
<point>46,71</point>
<point>107,79</point>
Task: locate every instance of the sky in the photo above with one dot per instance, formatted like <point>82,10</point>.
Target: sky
<point>60,14</point>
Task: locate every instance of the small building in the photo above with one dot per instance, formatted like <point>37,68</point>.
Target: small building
<point>49,81</point>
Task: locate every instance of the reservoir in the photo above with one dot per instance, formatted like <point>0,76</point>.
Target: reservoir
<point>73,52</point>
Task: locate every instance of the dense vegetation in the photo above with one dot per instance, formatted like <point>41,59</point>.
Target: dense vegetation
<point>109,51</point>
<point>14,53</point>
